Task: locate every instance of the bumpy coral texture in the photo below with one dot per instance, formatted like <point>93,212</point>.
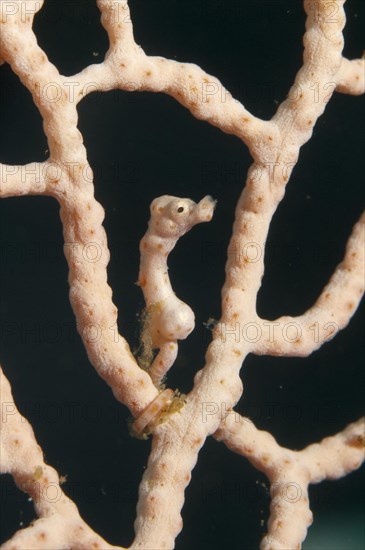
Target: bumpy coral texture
<point>274,145</point>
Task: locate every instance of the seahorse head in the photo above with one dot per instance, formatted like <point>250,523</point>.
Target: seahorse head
<point>172,217</point>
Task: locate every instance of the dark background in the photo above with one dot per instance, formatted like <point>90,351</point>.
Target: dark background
<point>143,145</point>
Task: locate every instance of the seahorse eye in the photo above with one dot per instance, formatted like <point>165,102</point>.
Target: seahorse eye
<point>180,209</point>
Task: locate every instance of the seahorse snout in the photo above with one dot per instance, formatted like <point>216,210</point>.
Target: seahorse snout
<point>206,208</point>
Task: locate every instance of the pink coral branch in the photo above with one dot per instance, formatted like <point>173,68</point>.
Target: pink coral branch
<point>351,77</point>
<point>290,472</point>
<point>179,425</point>
<point>59,524</point>
<point>128,68</point>
<point>299,336</point>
